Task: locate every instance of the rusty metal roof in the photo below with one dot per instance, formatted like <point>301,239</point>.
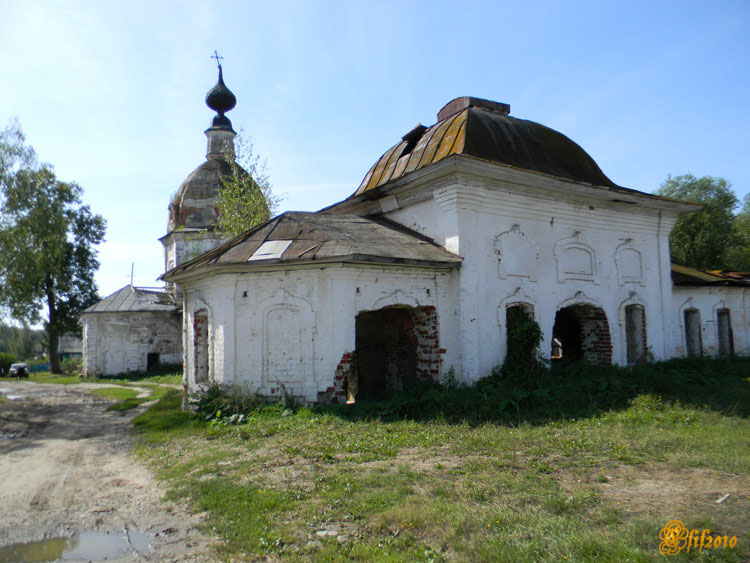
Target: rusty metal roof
<point>483,129</point>
<point>326,236</point>
<point>683,275</point>
<point>131,299</point>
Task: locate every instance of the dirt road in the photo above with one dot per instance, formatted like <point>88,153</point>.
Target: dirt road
<point>67,470</point>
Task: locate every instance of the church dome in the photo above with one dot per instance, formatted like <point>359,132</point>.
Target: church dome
<point>483,129</point>
<point>194,204</point>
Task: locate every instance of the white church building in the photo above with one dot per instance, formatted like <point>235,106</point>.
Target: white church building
<point>414,274</point>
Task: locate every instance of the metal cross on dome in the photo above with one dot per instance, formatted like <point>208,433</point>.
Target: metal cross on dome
<point>218,58</point>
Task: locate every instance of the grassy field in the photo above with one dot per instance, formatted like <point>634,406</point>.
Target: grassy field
<point>536,484</point>
<point>170,374</point>
<point>128,390</point>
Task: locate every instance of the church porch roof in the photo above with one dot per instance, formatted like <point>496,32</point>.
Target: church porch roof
<point>296,237</point>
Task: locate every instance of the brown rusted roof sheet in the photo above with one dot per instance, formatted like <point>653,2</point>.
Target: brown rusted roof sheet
<point>683,275</point>
<point>132,299</point>
<point>319,236</point>
<point>731,274</point>
<point>483,129</point>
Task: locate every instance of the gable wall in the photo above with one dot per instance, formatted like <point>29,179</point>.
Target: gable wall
<point>115,343</point>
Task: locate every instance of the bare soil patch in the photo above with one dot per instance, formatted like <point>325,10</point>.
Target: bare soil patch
<point>68,469</point>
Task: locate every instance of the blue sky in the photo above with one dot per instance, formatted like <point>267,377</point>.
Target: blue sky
<point>111,93</point>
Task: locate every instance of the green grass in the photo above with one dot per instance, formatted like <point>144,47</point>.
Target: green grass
<point>164,374</point>
<point>376,483</point>
<point>47,377</point>
<point>117,393</point>
<point>131,402</point>
<point>127,390</point>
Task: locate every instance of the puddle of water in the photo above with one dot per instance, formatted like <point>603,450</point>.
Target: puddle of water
<point>92,546</point>
<point>13,397</point>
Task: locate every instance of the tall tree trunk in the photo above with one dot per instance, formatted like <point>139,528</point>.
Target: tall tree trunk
<point>52,329</point>
<point>54,346</point>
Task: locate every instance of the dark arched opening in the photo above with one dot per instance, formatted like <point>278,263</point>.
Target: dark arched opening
<point>393,346</point>
<point>581,332</point>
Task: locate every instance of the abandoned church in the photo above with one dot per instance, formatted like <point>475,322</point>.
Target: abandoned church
<point>414,274</point>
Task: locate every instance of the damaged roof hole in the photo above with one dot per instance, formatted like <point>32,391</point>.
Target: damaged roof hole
<point>412,137</point>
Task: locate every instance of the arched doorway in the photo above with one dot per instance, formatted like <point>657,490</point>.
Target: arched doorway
<point>582,333</point>
<point>393,346</point>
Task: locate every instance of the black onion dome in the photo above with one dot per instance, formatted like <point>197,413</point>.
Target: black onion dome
<point>220,98</point>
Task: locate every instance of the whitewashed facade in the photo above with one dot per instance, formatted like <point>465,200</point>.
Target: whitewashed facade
<point>132,330</point>
<point>545,231</point>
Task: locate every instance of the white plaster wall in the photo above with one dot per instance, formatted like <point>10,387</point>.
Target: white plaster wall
<point>252,316</point>
<point>183,246</point>
<point>115,343</point>
<point>518,241</point>
<point>708,300</point>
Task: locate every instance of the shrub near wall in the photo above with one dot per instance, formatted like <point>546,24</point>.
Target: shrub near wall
<point>5,362</point>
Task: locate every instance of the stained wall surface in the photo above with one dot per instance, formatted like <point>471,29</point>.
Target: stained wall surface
<point>116,343</point>
<point>286,331</point>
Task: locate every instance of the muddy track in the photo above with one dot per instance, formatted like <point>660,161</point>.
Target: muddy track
<point>67,468</point>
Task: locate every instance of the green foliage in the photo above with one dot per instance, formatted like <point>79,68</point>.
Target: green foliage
<point>72,366</point>
<point>560,392</point>
<point>47,240</point>
<point>219,407</point>
<point>5,362</point>
<point>522,362</point>
<point>23,342</point>
<point>703,239</point>
<point>738,255</point>
<point>549,393</point>
<point>245,199</point>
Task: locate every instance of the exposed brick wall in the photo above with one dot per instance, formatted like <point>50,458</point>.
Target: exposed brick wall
<point>429,352</point>
<point>584,333</point>
<point>596,340</point>
<point>336,393</point>
<point>395,344</point>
